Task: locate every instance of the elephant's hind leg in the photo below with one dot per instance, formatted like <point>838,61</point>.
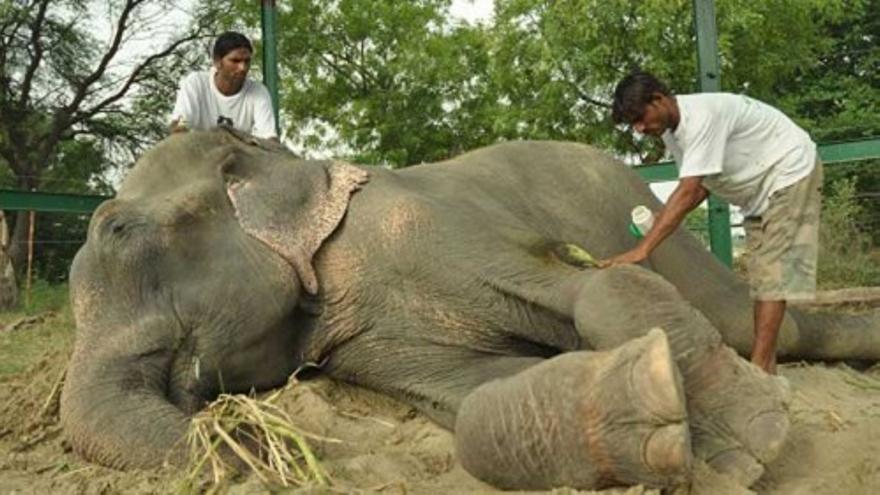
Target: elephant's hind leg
<point>737,413</point>
<point>581,419</point>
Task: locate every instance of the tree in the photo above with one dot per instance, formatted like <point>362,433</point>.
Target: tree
<point>837,98</point>
<point>63,91</point>
<point>397,83</point>
<point>836,95</point>
<point>58,235</point>
<point>556,63</point>
<point>384,81</point>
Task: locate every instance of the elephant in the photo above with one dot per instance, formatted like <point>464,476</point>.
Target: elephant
<point>464,288</point>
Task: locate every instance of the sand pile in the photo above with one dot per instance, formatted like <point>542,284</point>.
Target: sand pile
<point>372,444</point>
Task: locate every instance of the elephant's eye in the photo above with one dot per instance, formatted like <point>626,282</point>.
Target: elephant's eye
<point>117,226</point>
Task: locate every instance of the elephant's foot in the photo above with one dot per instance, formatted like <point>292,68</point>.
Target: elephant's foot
<point>738,414</point>
<point>581,419</point>
<point>727,456</point>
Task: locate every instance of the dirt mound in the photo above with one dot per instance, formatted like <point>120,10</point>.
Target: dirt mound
<point>29,400</point>
<point>377,445</point>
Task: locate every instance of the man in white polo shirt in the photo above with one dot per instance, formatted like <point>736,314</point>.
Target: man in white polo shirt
<point>753,156</point>
<point>224,95</point>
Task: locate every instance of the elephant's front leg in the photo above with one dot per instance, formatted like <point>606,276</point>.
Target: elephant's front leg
<point>582,419</point>
<point>737,413</point>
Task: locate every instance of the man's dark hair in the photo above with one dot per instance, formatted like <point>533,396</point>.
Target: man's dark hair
<point>633,93</point>
<point>228,41</point>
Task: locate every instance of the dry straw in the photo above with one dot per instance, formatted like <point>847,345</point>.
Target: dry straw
<point>237,429</point>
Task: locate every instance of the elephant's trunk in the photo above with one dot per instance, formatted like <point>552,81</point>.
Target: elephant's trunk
<point>114,412</point>
<point>832,335</point>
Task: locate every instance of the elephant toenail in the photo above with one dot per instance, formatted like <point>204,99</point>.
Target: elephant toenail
<point>668,450</point>
<point>739,465</point>
<point>766,434</point>
<point>656,381</point>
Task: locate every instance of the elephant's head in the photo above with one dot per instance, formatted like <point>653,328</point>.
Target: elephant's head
<point>188,286</point>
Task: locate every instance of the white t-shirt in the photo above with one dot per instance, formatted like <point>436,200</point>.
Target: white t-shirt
<point>201,105</point>
<point>744,149</point>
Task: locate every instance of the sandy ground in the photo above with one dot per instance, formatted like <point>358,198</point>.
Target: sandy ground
<point>386,447</point>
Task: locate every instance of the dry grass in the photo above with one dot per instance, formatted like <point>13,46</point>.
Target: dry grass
<point>237,431</point>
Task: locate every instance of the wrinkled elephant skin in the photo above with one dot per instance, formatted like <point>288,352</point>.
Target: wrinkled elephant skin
<point>225,263</point>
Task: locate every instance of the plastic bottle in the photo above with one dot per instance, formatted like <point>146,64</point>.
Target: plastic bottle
<point>642,220</point>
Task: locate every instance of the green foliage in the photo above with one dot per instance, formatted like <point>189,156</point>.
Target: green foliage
<point>836,94</point>
<point>397,83</point>
<point>77,107</point>
<point>144,122</point>
<point>697,222</point>
<point>44,297</point>
<point>63,80</point>
<point>80,167</point>
<point>845,257</point>
<point>22,347</point>
<point>557,62</point>
<point>386,82</point>
<point>57,238</point>
<point>865,175</point>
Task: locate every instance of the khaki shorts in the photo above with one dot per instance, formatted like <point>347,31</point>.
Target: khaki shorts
<point>783,243</point>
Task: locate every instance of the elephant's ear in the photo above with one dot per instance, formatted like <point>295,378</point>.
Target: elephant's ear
<point>291,206</point>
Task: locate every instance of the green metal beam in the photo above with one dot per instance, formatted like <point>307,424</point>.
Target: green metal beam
<point>710,81</point>
<point>49,202</point>
<point>707,46</point>
<point>850,151</point>
<point>270,56</point>
<point>865,149</point>
<point>658,172</point>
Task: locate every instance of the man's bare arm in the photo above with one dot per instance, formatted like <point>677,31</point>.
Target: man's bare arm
<point>689,193</point>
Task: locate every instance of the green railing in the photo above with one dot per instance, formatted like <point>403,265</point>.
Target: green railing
<point>850,151</point>
<point>49,202</point>
<point>720,242</point>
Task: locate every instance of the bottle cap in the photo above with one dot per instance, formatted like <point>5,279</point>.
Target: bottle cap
<point>642,219</point>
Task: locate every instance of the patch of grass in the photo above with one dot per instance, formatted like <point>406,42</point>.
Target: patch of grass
<point>30,332</point>
<point>847,257</point>
<point>44,297</point>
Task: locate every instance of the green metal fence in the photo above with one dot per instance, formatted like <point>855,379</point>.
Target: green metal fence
<point>49,202</point>
<point>849,151</point>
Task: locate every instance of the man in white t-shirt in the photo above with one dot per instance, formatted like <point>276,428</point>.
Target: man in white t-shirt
<point>224,95</point>
<point>751,155</point>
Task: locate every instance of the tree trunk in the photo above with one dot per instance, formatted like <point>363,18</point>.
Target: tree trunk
<point>8,287</point>
<point>17,247</point>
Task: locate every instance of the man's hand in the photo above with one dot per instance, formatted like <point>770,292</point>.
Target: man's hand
<point>632,256</point>
<point>177,126</point>
<point>687,195</point>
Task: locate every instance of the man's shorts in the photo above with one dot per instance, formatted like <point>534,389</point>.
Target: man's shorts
<point>783,243</point>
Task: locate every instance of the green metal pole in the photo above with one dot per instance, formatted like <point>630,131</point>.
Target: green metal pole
<point>710,81</point>
<point>270,56</point>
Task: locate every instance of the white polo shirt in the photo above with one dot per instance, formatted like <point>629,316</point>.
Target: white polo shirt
<point>201,105</point>
<point>744,149</point>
